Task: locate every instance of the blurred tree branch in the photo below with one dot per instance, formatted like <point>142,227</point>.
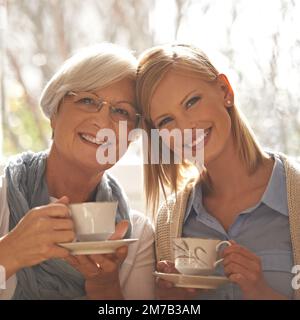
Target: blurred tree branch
<point>31,103</point>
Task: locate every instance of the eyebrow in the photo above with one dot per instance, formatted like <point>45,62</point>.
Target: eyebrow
<point>160,117</point>
<point>125,101</point>
<point>186,96</point>
<point>120,101</point>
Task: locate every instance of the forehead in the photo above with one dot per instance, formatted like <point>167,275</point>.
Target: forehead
<point>173,87</point>
<point>120,90</point>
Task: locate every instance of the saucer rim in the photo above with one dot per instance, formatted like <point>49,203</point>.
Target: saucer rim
<point>178,279</point>
<point>96,242</point>
<point>189,276</point>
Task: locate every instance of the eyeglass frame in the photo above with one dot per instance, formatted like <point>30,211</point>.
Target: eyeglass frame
<point>101,102</point>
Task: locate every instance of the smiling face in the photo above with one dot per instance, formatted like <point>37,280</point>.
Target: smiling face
<point>75,129</point>
<point>184,101</point>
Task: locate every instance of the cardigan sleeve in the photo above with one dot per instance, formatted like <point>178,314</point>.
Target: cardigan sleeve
<point>6,288</point>
<point>4,211</point>
<point>136,274</point>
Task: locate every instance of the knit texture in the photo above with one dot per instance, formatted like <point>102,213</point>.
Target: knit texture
<point>169,221</point>
<point>27,189</point>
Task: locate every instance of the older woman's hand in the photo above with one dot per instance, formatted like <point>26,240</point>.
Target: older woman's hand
<point>35,237</point>
<point>165,290</point>
<point>245,269</point>
<point>101,271</point>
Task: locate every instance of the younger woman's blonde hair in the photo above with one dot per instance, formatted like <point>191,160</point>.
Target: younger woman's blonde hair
<point>153,65</point>
<point>91,68</point>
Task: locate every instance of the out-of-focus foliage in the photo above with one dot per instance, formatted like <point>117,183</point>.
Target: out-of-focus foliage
<point>257,44</point>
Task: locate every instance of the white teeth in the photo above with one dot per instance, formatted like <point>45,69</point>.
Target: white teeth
<point>91,139</point>
<point>202,137</point>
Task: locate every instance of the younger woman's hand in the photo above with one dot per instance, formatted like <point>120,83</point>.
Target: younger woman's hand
<point>165,290</point>
<point>244,268</point>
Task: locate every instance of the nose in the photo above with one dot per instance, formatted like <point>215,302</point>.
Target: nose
<point>185,122</point>
<point>102,118</point>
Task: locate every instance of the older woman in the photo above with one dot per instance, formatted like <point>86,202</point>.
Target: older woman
<point>93,90</point>
<point>244,194</point>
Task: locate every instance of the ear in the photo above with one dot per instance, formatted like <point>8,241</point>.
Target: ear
<point>227,90</point>
<point>53,120</point>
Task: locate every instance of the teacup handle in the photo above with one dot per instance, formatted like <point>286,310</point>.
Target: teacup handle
<point>217,249</point>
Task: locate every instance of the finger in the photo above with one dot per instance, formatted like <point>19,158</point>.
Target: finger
<point>161,266</point>
<point>191,290</point>
<point>166,267</point>
<point>62,236</point>
<point>61,224</point>
<point>85,265</point>
<point>240,280</point>
<point>107,265</point>
<point>164,284</point>
<point>58,252</point>
<point>121,254</point>
<point>63,200</point>
<point>71,260</point>
<point>55,210</point>
<point>120,231</point>
<point>237,269</point>
<point>237,258</point>
<point>117,257</point>
<point>241,250</point>
<point>83,260</point>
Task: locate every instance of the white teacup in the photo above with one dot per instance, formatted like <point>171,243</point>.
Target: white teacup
<point>196,256</point>
<point>94,221</point>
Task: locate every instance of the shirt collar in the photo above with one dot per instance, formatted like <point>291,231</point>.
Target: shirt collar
<point>275,195</point>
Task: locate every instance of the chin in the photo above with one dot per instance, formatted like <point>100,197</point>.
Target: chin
<point>102,166</point>
<point>93,165</point>
<point>212,155</point>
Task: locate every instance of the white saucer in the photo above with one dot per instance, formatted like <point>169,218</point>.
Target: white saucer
<point>187,281</point>
<point>96,247</point>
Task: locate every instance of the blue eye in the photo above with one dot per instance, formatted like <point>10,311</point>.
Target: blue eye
<point>164,121</point>
<point>192,101</point>
<point>121,111</point>
<point>87,101</point>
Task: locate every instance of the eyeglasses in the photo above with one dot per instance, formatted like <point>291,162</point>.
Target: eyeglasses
<point>90,103</point>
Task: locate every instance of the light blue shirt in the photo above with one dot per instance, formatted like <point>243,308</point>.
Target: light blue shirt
<point>263,229</point>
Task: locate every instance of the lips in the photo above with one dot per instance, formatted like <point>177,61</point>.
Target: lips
<point>199,140</point>
<point>92,139</point>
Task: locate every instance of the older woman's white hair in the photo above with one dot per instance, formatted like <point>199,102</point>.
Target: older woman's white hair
<point>90,68</point>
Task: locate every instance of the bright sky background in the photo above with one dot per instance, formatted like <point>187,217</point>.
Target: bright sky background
<point>257,21</point>
<point>249,38</point>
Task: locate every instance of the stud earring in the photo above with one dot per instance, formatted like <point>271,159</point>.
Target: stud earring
<point>228,102</point>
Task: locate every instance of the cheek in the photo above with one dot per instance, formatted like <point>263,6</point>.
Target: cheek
<point>65,129</point>
<point>220,116</point>
<point>225,120</point>
<point>173,143</point>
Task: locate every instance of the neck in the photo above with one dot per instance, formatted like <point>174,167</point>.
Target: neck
<point>66,178</point>
<point>229,174</point>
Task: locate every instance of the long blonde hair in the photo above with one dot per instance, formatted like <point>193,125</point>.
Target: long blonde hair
<point>153,64</point>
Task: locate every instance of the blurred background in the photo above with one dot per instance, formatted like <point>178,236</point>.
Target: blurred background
<point>255,43</point>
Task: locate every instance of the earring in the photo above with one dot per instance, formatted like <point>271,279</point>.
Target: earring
<point>228,102</point>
